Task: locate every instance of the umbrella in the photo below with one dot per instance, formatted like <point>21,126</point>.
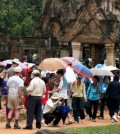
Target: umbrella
<point>70,60</point>
<point>101,72</point>
<point>10,61</point>
<point>70,75</point>
<point>82,70</point>
<point>99,66</point>
<point>110,68</point>
<point>5,62</point>
<point>22,65</point>
<point>64,110</point>
<point>52,64</point>
<point>29,65</point>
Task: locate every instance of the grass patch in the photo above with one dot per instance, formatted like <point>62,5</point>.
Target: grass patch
<point>111,129</point>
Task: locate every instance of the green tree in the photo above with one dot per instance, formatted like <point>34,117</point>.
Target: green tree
<point>18,17</point>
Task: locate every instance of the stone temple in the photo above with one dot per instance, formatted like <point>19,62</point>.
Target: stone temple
<point>79,28</point>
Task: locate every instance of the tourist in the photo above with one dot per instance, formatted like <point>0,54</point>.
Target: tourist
<point>113,97</point>
<point>36,90</point>
<point>10,70</point>
<point>93,98</point>
<point>15,85</point>
<point>63,87</point>
<point>50,112</point>
<point>45,96</point>
<point>52,83</point>
<point>103,99</point>
<point>79,95</point>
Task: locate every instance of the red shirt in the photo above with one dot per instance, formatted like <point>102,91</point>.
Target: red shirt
<point>45,96</point>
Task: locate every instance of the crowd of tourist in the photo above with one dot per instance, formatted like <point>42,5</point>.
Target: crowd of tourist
<point>49,98</point>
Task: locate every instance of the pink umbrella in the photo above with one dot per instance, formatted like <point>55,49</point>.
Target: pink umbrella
<point>22,65</point>
<point>5,62</point>
<point>70,60</point>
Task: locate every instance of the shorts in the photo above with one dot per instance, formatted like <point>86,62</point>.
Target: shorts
<point>13,101</point>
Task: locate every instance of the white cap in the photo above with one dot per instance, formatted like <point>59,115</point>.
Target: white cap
<point>18,69</point>
<point>36,72</point>
<point>35,56</point>
<point>90,60</point>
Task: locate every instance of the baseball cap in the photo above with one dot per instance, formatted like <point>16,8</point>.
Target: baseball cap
<point>18,69</point>
<point>36,72</point>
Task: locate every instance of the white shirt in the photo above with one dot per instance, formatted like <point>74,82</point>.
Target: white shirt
<point>62,89</point>
<point>50,106</point>
<point>36,87</point>
<point>14,83</point>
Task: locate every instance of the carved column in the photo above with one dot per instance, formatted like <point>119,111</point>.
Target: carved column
<point>77,50</point>
<point>110,54</point>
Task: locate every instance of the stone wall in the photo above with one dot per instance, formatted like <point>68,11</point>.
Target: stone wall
<point>17,47</point>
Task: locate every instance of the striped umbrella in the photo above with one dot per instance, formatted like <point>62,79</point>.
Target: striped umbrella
<point>82,70</point>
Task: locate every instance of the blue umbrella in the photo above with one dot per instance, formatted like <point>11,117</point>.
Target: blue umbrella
<point>63,110</point>
<point>82,70</point>
<point>99,66</point>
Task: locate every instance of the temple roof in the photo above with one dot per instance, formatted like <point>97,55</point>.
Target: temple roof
<point>69,20</point>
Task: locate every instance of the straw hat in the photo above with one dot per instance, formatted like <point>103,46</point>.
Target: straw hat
<point>55,95</point>
<point>16,61</point>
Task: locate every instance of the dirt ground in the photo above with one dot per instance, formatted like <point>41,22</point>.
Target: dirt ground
<point>85,123</point>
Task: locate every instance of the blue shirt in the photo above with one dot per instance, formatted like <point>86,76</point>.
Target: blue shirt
<point>104,87</point>
<point>93,92</point>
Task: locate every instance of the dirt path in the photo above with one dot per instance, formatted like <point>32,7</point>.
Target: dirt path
<point>85,123</point>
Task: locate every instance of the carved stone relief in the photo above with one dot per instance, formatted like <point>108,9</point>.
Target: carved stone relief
<point>68,20</point>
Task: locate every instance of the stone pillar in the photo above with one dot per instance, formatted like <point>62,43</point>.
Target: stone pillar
<point>110,54</point>
<point>77,50</point>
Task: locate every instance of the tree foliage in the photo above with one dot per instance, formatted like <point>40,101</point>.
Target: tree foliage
<point>18,17</point>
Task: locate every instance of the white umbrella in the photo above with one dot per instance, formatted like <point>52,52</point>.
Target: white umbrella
<point>110,68</point>
<point>70,75</point>
<point>101,72</point>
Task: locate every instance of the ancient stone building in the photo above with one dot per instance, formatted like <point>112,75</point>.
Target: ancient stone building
<point>83,28</point>
<point>23,48</point>
<point>79,28</point>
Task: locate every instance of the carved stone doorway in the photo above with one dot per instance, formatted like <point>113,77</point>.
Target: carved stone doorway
<point>99,53</point>
<point>94,51</point>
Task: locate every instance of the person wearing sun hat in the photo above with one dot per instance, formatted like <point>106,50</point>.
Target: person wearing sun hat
<point>49,112</point>
<point>15,63</point>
